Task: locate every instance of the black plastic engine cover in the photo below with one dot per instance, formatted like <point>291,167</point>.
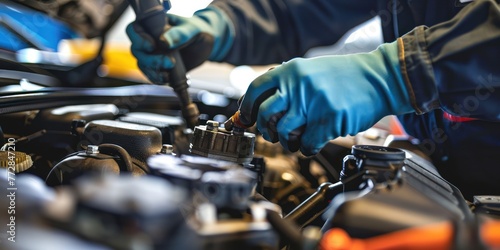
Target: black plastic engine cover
<point>139,141</point>
<point>417,196</point>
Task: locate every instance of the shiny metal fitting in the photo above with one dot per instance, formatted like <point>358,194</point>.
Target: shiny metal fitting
<point>167,149</point>
<point>92,149</point>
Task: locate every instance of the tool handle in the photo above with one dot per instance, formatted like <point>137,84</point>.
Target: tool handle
<point>151,16</point>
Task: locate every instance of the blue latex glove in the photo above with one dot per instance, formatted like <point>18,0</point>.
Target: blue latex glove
<point>304,103</point>
<point>207,35</point>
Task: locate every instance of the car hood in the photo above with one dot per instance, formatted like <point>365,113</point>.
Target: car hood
<point>90,18</point>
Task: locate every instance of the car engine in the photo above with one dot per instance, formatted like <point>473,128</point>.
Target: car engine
<point>101,176</point>
<point>95,161</point>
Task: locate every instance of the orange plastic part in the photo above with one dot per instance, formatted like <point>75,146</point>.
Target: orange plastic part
<point>236,120</point>
<point>490,234</point>
<point>395,127</point>
<point>435,236</point>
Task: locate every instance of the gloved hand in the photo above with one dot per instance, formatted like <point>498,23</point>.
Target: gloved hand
<point>208,34</point>
<point>304,103</point>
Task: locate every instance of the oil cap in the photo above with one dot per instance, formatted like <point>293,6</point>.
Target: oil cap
<point>20,160</point>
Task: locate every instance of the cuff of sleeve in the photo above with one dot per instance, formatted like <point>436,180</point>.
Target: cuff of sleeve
<point>417,71</point>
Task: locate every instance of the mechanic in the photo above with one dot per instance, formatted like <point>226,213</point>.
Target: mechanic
<point>438,71</point>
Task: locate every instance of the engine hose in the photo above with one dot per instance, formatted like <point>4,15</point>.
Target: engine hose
<point>289,233</point>
<point>113,149</point>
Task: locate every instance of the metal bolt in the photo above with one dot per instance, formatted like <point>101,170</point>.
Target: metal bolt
<point>212,125</point>
<point>167,149</point>
<point>92,149</point>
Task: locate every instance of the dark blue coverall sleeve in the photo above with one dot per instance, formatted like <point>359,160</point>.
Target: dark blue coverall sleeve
<point>277,30</point>
<point>448,54</point>
<point>271,31</point>
<point>453,67</point>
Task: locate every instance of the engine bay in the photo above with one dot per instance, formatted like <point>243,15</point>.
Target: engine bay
<point>95,161</point>
<point>115,176</point>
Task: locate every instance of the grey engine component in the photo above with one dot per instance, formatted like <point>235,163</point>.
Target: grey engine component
<point>217,143</point>
<point>224,184</point>
<point>222,214</point>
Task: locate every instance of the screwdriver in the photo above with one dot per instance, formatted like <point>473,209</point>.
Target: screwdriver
<point>151,15</point>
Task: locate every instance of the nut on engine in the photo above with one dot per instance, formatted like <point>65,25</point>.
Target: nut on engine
<point>215,142</point>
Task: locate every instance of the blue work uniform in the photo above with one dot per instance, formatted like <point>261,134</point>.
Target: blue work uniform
<point>449,56</point>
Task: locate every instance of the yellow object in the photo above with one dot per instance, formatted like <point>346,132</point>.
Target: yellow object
<point>118,60</point>
<point>21,160</point>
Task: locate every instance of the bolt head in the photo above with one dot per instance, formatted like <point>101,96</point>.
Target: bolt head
<point>212,125</point>
<point>167,149</point>
<point>92,149</point>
